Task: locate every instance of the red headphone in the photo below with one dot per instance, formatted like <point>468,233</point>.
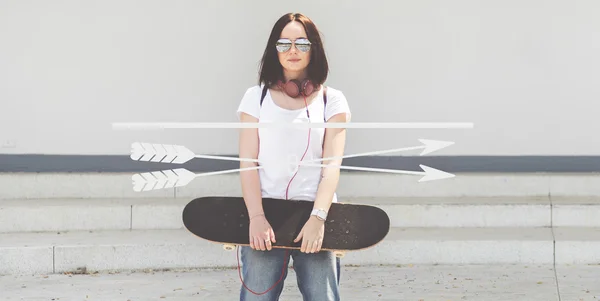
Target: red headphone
<point>295,88</point>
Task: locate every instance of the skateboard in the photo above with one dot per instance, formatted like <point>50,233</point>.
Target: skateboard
<point>224,220</point>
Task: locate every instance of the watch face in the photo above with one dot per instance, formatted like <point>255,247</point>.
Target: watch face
<point>320,214</point>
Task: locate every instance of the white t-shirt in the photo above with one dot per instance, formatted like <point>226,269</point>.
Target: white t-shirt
<point>278,146</point>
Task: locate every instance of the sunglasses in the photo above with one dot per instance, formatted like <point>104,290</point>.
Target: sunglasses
<point>284,45</point>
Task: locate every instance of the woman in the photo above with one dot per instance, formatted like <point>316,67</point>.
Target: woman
<point>294,51</point>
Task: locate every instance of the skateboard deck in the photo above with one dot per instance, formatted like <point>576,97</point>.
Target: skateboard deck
<point>225,220</point>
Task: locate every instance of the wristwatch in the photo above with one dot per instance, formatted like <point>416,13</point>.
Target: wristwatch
<point>319,213</point>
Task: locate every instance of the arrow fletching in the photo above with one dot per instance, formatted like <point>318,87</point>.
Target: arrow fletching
<point>162,179</point>
<point>164,153</point>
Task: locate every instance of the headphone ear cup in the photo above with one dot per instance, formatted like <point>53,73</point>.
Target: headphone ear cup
<point>292,88</point>
<point>307,87</point>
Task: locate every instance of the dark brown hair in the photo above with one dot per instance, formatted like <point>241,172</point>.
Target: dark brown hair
<point>270,67</point>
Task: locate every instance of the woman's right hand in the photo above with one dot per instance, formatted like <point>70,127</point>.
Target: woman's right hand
<point>261,233</point>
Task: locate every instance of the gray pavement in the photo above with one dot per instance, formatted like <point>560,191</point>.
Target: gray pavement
<point>400,282</point>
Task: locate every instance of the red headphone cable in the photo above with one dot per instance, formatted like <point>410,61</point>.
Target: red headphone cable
<point>286,197</point>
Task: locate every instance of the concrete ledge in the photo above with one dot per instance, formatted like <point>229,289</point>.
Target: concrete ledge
<point>463,211</point>
<point>160,249</point>
<point>23,259</point>
<point>72,185</point>
<point>460,246</point>
<point>32,215</point>
<point>574,185</point>
<point>158,214</point>
<point>576,211</point>
<point>577,245</point>
<point>36,215</point>
<point>107,185</point>
<point>43,215</point>
<point>354,184</point>
<point>362,184</point>
<point>147,255</point>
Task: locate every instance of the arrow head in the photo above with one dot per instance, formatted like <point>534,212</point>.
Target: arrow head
<point>183,176</point>
<point>432,174</point>
<point>433,145</point>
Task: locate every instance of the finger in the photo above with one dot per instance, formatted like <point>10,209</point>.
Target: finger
<point>299,236</point>
<point>315,245</point>
<point>266,237</point>
<point>272,235</point>
<point>255,243</point>
<point>319,245</point>
<point>268,243</point>
<point>304,245</point>
<point>262,244</point>
<point>251,240</point>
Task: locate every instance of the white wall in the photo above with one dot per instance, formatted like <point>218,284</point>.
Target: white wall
<point>525,72</point>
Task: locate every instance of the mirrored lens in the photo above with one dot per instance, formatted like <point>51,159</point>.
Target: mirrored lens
<point>303,45</point>
<point>283,45</point>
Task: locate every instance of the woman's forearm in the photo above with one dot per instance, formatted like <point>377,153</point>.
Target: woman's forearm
<point>327,187</point>
<point>251,190</point>
<point>334,144</point>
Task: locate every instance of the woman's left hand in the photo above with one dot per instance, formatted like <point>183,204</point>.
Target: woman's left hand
<point>312,235</point>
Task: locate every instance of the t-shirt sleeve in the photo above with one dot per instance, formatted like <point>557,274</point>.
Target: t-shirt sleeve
<point>250,103</point>
<point>336,104</point>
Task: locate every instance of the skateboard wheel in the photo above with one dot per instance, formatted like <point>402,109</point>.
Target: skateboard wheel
<point>228,247</point>
<point>339,254</point>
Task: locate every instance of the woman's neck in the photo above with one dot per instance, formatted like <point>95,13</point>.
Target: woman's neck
<point>300,75</point>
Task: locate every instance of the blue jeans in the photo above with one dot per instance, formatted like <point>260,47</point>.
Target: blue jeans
<point>317,274</point>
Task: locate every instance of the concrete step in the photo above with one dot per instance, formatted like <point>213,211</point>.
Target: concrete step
<point>113,250</point>
<point>354,184</point>
<point>37,215</point>
<point>575,211</point>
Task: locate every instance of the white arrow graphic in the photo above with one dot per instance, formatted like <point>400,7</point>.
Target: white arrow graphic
<point>429,146</point>
<point>180,177</point>
<point>428,173</point>
<point>170,178</point>
<point>434,174</point>
<point>168,153</point>
<point>180,154</point>
<point>279,125</point>
<point>161,179</point>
